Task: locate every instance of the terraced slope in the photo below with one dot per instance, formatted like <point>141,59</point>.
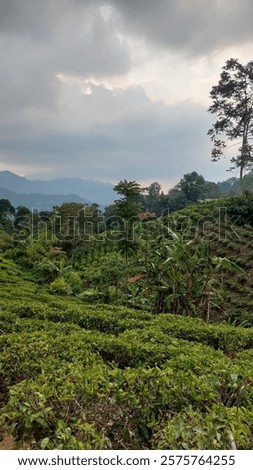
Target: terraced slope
<point>226,238</point>
<point>77,376</point>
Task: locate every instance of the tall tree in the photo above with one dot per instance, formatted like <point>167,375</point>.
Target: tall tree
<point>6,207</point>
<point>195,187</point>
<point>129,205</point>
<point>233,105</point>
<point>7,212</point>
<point>152,199</point>
<point>127,208</point>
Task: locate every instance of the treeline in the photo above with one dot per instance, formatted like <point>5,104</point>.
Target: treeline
<point>127,255</point>
<point>192,188</point>
<point>80,230</point>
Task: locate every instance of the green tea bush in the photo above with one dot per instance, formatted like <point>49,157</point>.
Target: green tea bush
<point>241,208</point>
<point>151,394</point>
<point>225,337</point>
<point>60,382</point>
<point>25,355</point>
<point>100,317</point>
<point>218,428</point>
<point>79,375</point>
<point>150,346</point>
<point>8,321</point>
<point>50,410</point>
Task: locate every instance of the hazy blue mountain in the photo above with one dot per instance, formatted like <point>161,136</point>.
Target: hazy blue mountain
<point>229,186</point>
<point>42,202</point>
<point>13,182</point>
<point>94,191</point>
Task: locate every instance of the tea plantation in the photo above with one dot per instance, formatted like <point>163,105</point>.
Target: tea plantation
<point>80,369</point>
<point>91,376</point>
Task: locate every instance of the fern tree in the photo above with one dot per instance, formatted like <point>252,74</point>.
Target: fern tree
<point>128,208</point>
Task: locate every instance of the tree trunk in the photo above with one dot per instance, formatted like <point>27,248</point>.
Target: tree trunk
<point>244,152</point>
<point>241,175</point>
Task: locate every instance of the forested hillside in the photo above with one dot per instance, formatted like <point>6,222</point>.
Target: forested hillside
<point>127,332</point>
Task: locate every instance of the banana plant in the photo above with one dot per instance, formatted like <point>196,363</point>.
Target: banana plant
<point>184,276</point>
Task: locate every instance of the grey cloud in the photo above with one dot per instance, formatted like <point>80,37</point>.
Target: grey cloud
<point>42,39</point>
<point>194,27</point>
<point>26,78</point>
<point>88,46</point>
<point>148,141</point>
<point>37,19</point>
<point>108,134</point>
<point>73,34</point>
<point>28,18</point>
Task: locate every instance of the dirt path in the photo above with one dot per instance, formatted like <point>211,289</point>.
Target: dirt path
<point>7,443</point>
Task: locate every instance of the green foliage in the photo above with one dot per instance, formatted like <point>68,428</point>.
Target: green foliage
<point>127,208</point>
<point>7,212</point>
<point>5,240</point>
<point>6,207</point>
<point>241,209</point>
<point>75,282</point>
<point>105,278</point>
<point>218,428</point>
<point>181,273</point>
<point>51,409</point>
<point>232,105</point>
<point>195,188</point>
<point>60,286</point>
<point>77,374</point>
<point>66,367</point>
<point>224,337</point>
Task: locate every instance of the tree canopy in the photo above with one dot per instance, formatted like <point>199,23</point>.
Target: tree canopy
<point>195,188</point>
<point>6,207</point>
<point>233,105</point>
<point>129,205</point>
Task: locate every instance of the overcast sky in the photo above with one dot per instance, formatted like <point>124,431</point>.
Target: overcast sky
<point>115,89</point>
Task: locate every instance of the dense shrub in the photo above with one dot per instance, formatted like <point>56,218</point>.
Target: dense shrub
<point>218,428</point>
<point>83,375</point>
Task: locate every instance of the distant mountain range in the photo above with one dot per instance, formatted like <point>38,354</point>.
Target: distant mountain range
<point>42,202</point>
<point>43,195</point>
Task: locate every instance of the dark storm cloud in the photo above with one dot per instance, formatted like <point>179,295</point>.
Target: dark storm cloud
<point>42,39</point>
<point>108,133</point>
<point>192,26</point>
<point>37,19</point>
